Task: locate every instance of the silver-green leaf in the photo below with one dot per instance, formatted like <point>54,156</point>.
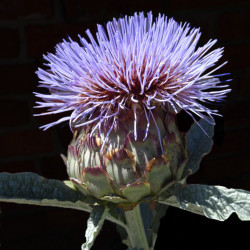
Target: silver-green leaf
<point>30,188</point>
<point>94,225</point>
<point>198,144</point>
<point>215,202</point>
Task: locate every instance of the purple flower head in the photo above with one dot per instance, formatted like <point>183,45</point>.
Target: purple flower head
<point>133,62</point>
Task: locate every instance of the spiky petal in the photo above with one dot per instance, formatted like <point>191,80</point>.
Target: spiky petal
<point>134,63</point>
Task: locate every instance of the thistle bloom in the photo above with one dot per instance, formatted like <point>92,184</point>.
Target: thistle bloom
<point>124,91</point>
<point>133,63</point>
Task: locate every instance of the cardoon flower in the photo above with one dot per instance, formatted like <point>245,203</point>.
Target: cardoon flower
<point>123,89</point>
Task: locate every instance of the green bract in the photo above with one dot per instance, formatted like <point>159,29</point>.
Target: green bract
<point>126,170</point>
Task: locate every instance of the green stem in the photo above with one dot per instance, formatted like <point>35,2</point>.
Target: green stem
<point>135,229</point>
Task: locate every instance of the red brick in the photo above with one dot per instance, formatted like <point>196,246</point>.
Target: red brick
<point>234,141</point>
<point>220,170</point>
<point>199,20</point>
<point>63,132</point>
<point>27,142</point>
<point>53,168</point>
<point>18,79</point>
<point>58,219</point>
<point>52,224</point>
<point>22,225</point>
<point>64,135</point>
<point>16,9</point>
<point>241,84</point>
<point>8,207</point>
<point>43,39</point>
<point>103,11</point>
<point>24,243</point>
<point>197,4</point>
<point>14,113</point>
<point>20,166</point>
<point>206,27</point>
<point>241,182</point>
<point>237,56</point>
<point>9,42</point>
<point>236,113</point>
<point>109,234</point>
<point>235,86</point>
<point>50,241</point>
<point>46,119</point>
<point>234,25</point>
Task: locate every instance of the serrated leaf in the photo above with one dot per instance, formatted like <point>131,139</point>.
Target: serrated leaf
<point>215,202</point>
<point>198,144</point>
<point>94,225</point>
<point>30,188</point>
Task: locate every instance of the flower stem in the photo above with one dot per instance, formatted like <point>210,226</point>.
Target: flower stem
<point>135,230</point>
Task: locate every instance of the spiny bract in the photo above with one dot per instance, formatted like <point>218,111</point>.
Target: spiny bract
<point>127,171</point>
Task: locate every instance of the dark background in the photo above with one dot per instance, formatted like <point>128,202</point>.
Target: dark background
<point>31,28</point>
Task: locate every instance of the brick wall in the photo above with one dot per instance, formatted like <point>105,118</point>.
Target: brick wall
<point>31,28</point>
